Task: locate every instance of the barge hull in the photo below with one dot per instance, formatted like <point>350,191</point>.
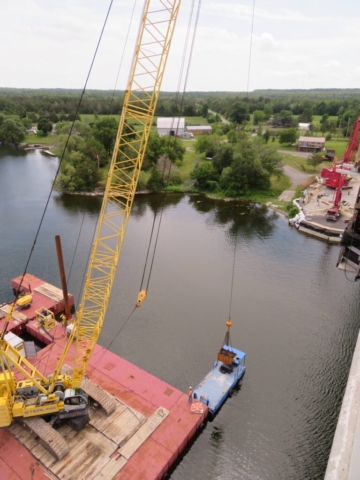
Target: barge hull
<point>142,439</point>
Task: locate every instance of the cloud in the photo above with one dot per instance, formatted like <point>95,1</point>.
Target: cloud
<point>266,42</point>
<point>331,64</point>
<point>357,72</point>
<point>285,74</point>
<point>245,12</point>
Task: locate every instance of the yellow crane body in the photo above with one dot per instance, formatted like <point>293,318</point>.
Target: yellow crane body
<point>38,395</point>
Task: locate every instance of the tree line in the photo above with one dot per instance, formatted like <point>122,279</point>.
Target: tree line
<point>61,104</point>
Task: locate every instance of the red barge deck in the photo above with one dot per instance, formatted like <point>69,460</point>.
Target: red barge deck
<point>142,439</point>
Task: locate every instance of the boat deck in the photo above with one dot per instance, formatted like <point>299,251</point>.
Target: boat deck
<point>216,386</point>
<point>44,296</point>
<point>142,439</point>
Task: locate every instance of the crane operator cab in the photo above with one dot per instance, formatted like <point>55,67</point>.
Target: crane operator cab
<point>75,408</point>
<point>75,399</point>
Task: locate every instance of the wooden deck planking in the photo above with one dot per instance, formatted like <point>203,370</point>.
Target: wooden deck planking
<point>111,469</point>
<point>143,433</point>
<point>20,317</point>
<point>99,419</point>
<point>50,291</point>
<point>39,451</point>
<point>89,453</point>
<point>123,427</point>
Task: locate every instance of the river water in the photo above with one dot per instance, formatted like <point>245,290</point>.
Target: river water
<point>294,313</point>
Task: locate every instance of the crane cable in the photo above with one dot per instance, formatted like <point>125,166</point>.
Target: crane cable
<point>182,98</point>
<point>58,170</point>
<point>232,277</point>
<point>250,52</point>
<point>112,341</point>
<point>110,107</point>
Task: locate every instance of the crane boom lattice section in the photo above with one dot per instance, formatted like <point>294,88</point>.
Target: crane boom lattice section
<point>155,35</point>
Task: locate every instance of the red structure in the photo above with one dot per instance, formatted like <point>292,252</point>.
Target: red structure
<point>333,213</point>
<point>354,144</point>
<point>141,392</point>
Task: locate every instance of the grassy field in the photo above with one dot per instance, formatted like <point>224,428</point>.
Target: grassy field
<point>194,121</point>
<point>339,145</point>
<point>91,118</point>
<point>317,118</point>
<point>191,158</point>
<point>39,140</point>
<point>300,164</point>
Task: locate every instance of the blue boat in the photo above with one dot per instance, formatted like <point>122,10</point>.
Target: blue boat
<point>226,372</point>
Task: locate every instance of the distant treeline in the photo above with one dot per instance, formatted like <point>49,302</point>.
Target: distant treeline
<point>60,104</point>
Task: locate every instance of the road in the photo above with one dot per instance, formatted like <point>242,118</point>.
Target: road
<point>223,119</point>
<point>297,178</point>
<point>296,154</point>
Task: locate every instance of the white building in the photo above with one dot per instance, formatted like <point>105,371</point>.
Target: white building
<point>170,126</point>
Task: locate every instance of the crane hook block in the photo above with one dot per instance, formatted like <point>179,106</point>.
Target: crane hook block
<point>141,297</point>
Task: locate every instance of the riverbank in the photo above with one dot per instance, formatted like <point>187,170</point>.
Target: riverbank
<point>189,292</point>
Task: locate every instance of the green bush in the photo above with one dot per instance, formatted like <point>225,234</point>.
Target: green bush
<point>293,211</point>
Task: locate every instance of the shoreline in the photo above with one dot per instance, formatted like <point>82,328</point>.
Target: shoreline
<point>307,228</point>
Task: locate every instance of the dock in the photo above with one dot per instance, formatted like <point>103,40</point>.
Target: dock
<point>142,439</point>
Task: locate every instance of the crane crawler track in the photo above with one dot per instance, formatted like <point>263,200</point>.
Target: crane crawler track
<point>50,438</point>
<point>101,396</point>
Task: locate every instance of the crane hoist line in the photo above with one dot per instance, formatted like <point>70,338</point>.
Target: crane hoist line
<point>64,395</point>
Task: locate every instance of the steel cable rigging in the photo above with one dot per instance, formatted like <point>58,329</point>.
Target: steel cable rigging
<point>59,166</point>
<point>179,103</point>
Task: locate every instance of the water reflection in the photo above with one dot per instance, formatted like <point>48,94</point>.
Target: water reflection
<point>217,436</point>
<point>79,204</point>
<point>243,218</point>
<point>15,152</point>
<point>155,202</point>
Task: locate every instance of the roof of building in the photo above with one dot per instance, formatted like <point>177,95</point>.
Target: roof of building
<point>304,126</point>
<point>199,127</point>
<point>312,139</point>
<point>170,122</point>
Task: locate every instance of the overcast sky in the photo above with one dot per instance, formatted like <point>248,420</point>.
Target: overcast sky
<point>308,44</point>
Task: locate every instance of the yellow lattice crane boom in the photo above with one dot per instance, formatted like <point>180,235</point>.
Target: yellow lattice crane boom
<point>49,394</point>
<point>140,100</point>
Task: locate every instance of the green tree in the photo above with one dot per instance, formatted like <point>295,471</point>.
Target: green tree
<point>206,176</point>
<point>12,131</point>
<point>79,128</point>
<point>223,156</point>
<point>204,110</point>
<point>190,110</point>
<point>27,123</point>
<point>284,118</point>
<point>156,182</point>
<point>78,173</point>
<point>207,144</point>
<point>258,116</point>
<point>105,132</point>
<point>268,110</point>
<point>288,136</point>
<point>239,112</point>
<point>171,147</point>
<point>246,171</point>
<point>93,150</point>
<point>270,158</point>
<point>266,136</point>
<point>44,125</point>
<point>314,160</point>
<point>153,150</point>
